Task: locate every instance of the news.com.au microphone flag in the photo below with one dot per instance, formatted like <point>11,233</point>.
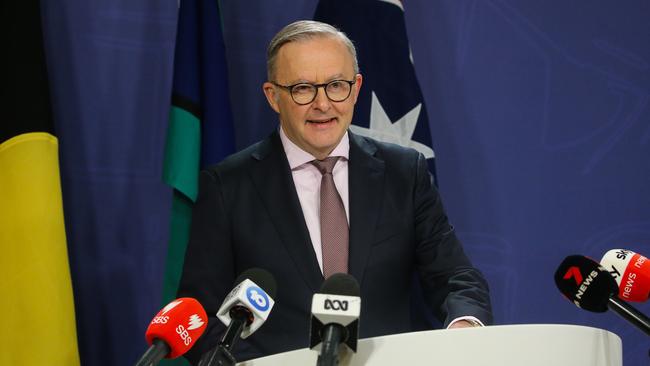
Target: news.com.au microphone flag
<point>200,129</point>
<point>37,308</point>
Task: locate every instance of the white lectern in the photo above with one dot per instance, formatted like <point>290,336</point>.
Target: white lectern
<point>506,345</point>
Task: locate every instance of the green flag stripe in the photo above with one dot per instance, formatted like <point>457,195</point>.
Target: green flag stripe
<point>181,219</point>
<point>182,152</point>
<point>180,171</point>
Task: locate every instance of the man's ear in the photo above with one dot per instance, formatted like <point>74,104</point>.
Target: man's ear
<point>357,87</point>
<point>272,96</point>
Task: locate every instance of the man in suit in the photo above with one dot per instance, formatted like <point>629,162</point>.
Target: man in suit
<point>261,207</point>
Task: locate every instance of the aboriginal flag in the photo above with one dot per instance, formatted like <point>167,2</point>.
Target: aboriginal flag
<point>37,307</point>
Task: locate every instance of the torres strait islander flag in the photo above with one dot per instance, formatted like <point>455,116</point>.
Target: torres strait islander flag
<point>200,129</point>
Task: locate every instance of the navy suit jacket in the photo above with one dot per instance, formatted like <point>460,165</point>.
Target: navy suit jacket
<point>248,215</point>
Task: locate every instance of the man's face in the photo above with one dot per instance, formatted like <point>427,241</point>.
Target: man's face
<point>318,126</point>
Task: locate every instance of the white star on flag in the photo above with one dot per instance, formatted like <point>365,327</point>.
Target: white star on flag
<point>400,132</point>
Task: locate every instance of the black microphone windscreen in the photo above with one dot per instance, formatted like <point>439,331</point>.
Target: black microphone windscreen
<point>340,284</point>
<point>585,283</point>
<point>261,277</point>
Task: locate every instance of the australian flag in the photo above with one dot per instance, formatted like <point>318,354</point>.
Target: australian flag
<point>390,107</point>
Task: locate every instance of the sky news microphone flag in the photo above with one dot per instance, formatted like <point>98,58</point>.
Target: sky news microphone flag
<point>390,106</point>
<point>39,320</point>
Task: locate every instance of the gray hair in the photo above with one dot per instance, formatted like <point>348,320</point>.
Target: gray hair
<point>305,30</point>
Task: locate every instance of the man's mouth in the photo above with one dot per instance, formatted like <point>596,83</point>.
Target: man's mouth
<point>321,121</point>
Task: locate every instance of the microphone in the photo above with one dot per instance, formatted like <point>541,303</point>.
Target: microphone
<point>335,317</point>
<point>589,286</point>
<point>631,272</point>
<point>244,310</point>
<point>173,331</point>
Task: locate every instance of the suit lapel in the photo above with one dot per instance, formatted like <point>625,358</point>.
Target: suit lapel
<point>272,178</point>
<point>366,188</point>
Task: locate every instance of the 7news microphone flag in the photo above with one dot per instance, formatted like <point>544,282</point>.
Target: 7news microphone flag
<point>38,310</point>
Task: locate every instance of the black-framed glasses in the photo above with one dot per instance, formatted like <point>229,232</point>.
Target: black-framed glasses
<point>305,93</point>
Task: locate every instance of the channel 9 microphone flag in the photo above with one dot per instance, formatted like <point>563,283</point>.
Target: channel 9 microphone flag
<point>37,305</point>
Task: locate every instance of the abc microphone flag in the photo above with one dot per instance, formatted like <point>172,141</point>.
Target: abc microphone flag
<point>631,272</point>
<point>174,330</point>
<point>335,314</point>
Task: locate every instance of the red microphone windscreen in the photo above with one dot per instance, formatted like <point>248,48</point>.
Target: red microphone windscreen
<point>631,272</point>
<point>179,324</point>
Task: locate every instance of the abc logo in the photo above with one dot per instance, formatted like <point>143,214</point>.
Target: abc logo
<point>160,320</point>
<point>258,298</point>
<point>336,305</point>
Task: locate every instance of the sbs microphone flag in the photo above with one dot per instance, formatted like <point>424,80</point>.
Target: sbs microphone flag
<point>174,330</point>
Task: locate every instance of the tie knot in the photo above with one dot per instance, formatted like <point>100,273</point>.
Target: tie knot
<point>326,165</point>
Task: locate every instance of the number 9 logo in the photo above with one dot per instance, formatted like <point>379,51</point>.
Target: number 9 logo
<point>258,298</point>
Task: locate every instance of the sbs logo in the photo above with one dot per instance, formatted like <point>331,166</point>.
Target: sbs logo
<point>185,335</point>
<point>161,319</point>
<point>336,304</point>
<point>258,298</point>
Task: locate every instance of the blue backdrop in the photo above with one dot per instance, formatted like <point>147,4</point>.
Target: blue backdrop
<point>538,113</point>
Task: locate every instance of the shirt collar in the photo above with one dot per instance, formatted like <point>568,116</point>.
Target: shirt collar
<point>297,156</point>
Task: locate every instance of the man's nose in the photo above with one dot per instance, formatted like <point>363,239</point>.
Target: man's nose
<point>322,102</point>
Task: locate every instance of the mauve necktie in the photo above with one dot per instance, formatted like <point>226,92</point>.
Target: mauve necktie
<point>334,231</point>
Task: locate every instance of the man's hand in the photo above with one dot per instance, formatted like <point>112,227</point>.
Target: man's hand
<point>462,324</point>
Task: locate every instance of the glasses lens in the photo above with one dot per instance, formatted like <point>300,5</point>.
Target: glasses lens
<point>303,93</point>
<point>338,90</point>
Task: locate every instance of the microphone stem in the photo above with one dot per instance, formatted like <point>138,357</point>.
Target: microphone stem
<point>329,354</point>
<point>238,321</point>
<point>156,352</point>
<point>629,313</point>
<point>221,354</point>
